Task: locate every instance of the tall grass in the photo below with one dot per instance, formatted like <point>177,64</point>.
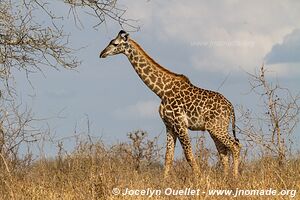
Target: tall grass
<point>93,171</point>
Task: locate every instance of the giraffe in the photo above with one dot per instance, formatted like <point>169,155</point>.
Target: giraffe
<point>183,106</point>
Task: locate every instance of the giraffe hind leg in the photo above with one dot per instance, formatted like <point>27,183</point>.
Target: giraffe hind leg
<point>236,156</point>
<point>234,146</point>
<point>223,154</point>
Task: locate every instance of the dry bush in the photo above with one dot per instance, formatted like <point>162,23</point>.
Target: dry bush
<point>141,151</point>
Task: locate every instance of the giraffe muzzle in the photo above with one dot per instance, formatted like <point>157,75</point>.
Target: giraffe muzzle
<point>103,54</point>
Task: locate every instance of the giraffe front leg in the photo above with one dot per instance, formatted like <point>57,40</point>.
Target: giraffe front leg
<point>187,148</point>
<point>171,141</point>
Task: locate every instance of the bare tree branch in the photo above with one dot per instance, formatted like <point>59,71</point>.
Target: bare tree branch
<point>271,129</point>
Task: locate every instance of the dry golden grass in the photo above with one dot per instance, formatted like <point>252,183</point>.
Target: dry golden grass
<point>92,171</point>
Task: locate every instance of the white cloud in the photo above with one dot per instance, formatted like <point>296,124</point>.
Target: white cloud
<point>286,52</point>
<point>142,109</point>
<point>262,23</point>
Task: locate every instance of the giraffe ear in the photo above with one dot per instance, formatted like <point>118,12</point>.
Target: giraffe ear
<point>124,35</point>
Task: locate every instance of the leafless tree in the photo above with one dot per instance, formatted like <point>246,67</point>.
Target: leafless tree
<point>272,129</point>
<point>32,38</point>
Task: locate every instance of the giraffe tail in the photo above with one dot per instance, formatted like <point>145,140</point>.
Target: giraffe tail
<point>233,124</point>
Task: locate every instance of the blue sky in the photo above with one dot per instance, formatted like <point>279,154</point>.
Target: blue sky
<point>208,41</point>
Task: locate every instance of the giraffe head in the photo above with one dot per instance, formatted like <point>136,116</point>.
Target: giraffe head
<point>117,45</point>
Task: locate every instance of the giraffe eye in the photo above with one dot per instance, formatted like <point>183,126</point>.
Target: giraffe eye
<point>114,44</point>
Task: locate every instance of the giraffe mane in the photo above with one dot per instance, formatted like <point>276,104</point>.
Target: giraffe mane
<point>181,76</point>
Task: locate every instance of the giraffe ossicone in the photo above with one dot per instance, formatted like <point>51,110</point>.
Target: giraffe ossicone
<point>183,106</point>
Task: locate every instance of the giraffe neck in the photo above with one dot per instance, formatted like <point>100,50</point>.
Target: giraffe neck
<point>160,80</point>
